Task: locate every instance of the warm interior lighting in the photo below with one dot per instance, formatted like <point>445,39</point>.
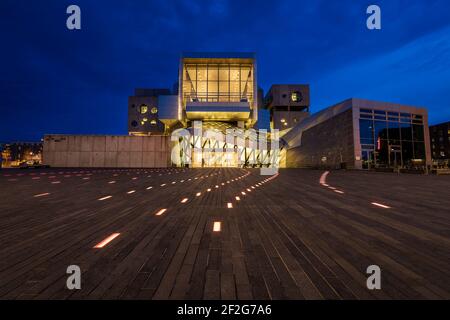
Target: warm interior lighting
<point>184,200</point>
<point>106,241</point>
<point>230,205</point>
<point>143,109</point>
<point>104,198</point>
<point>238,199</point>
<point>131,191</point>
<point>217,226</point>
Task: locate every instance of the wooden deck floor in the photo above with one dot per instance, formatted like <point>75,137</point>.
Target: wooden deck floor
<point>286,238</point>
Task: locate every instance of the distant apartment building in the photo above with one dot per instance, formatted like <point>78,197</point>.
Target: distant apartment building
<point>440,141</point>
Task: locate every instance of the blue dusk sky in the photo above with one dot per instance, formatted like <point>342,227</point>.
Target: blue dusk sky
<point>77,82</point>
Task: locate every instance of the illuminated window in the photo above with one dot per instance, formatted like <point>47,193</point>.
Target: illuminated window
<point>283,120</point>
<point>144,121</point>
<point>153,122</point>
<point>224,82</point>
<point>154,110</point>
<point>296,96</point>
<point>143,109</point>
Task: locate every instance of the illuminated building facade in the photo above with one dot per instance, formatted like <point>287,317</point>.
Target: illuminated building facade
<point>220,91</point>
<point>288,105</point>
<point>361,134</point>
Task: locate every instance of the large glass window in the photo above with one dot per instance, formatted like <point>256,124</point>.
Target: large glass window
<point>366,131</point>
<point>398,137</point>
<point>381,130</point>
<point>418,132</point>
<point>394,132</point>
<point>406,131</point>
<point>218,82</point>
<point>407,152</point>
<point>419,150</point>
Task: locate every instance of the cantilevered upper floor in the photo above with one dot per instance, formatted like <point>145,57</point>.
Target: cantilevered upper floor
<point>218,87</point>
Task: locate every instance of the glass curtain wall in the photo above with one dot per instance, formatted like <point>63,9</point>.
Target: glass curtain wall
<point>396,139</point>
<point>218,83</point>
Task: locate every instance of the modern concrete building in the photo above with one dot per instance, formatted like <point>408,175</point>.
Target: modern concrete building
<point>361,134</point>
<point>107,151</point>
<point>221,91</point>
<point>288,105</point>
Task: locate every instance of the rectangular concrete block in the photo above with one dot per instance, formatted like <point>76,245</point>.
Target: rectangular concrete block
<point>135,159</point>
<point>123,159</point>
<point>111,143</point>
<point>74,143</point>
<point>86,143</point>
<point>61,144</point>
<point>148,144</point>
<point>123,144</point>
<point>85,159</point>
<point>73,159</point>
<point>110,159</point>
<point>107,151</point>
<point>136,143</point>
<point>98,159</point>
<point>60,159</point>
<point>148,159</point>
<point>48,158</point>
<point>99,144</point>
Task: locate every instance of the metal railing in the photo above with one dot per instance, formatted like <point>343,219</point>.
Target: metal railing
<point>218,97</point>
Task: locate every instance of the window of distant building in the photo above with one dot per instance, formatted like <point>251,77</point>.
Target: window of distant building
<point>153,122</point>
<point>134,123</point>
<point>296,96</point>
<point>154,110</point>
<point>143,109</point>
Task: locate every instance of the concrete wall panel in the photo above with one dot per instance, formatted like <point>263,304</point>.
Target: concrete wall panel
<point>112,143</point>
<point>123,159</point>
<point>85,159</point>
<point>148,159</point>
<point>60,159</point>
<point>135,159</point>
<point>86,143</point>
<point>99,144</point>
<point>73,159</point>
<point>106,151</point>
<point>61,144</point>
<point>98,159</point>
<point>110,159</point>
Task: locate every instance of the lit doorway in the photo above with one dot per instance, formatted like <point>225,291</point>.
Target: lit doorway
<point>395,156</point>
<point>368,159</point>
